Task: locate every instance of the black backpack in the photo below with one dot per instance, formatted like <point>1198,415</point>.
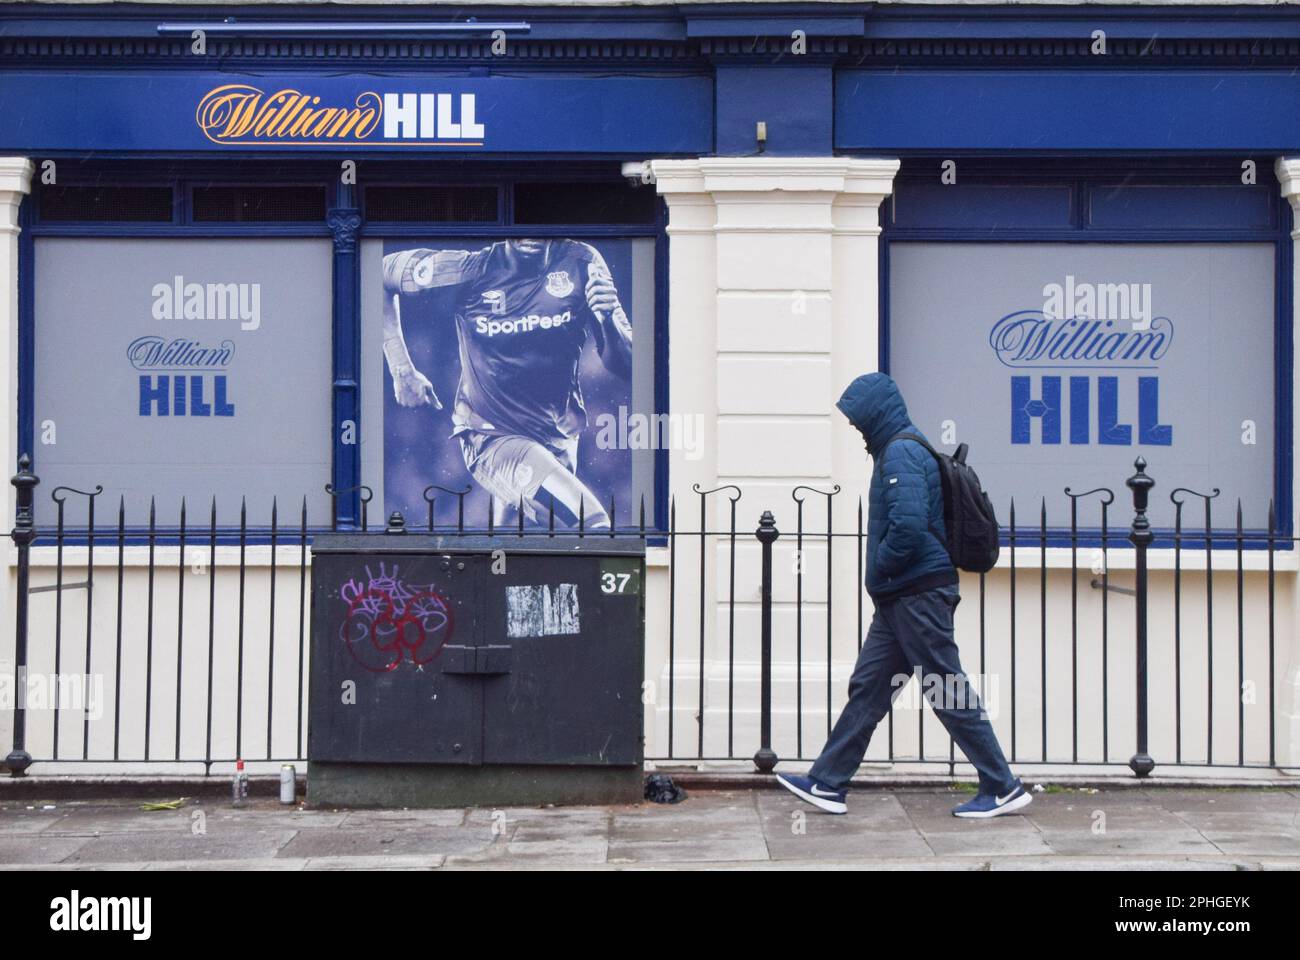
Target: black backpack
<point>968,514</point>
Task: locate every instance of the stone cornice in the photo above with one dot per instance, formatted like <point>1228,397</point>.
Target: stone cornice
<point>15,175</point>
<point>866,178</point>
<point>1288,175</point>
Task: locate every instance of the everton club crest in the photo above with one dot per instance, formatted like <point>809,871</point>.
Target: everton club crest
<point>559,284</point>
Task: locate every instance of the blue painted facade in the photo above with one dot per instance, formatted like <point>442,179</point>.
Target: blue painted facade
<point>1184,93</point>
<point>675,79</point>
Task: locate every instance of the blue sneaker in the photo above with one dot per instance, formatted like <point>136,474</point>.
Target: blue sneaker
<point>810,791</point>
<point>986,805</point>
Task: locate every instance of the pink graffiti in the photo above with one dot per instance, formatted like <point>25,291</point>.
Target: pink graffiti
<point>390,622</point>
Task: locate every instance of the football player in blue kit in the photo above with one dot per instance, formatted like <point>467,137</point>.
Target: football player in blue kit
<point>524,310</point>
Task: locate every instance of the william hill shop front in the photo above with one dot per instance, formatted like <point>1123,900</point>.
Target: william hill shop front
<point>279,268</point>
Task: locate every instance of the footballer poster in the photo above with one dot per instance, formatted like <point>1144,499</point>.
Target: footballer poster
<point>500,358</point>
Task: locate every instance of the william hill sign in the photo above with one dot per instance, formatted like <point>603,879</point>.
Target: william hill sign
<point>237,113</point>
<point>138,113</point>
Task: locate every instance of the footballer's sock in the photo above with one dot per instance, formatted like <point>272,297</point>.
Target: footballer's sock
<point>567,496</point>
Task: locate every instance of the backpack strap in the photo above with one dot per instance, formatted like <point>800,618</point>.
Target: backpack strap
<point>943,481</point>
<point>909,436</point>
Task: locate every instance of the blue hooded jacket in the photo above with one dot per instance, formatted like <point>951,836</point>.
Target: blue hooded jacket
<point>906,544</point>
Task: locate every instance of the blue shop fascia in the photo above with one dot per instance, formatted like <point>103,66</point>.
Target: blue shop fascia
<point>1029,124</point>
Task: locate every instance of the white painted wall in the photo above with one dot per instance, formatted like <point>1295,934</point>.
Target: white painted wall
<point>150,640</point>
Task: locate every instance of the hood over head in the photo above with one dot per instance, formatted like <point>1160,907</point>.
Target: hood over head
<point>873,405</point>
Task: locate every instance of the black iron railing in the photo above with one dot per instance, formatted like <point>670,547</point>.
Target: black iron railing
<point>207,647</point>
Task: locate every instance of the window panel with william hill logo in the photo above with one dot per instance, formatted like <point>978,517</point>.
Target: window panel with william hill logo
<point>1060,364</point>
<point>170,368</point>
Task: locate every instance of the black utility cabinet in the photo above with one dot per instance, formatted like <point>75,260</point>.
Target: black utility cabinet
<point>449,671</point>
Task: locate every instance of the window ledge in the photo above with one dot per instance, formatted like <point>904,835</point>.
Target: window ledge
<point>1125,558</point>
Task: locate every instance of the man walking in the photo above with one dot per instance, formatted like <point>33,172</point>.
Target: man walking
<point>913,584</point>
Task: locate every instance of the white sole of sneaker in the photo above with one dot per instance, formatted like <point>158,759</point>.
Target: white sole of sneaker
<point>822,803</point>
<point>1011,806</point>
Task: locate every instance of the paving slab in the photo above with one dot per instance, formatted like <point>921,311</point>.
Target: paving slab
<point>717,826</point>
<point>126,816</point>
<point>1050,808</point>
<point>39,849</point>
<point>563,835</point>
<point>547,814</point>
<point>253,863</point>
<point>388,819</point>
<point>1140,864</point>
<point>949,836</point>
<point>1095,825</point>
<point>733,865</point>
<point>129,818</point>
<point>878,826</point>
<point>182,844</point>
<point>559,850</point>
<point>1233,821</point>
<point>1255,844</point>
<point>741,848</point>
<point>26,822</point>
<point>531,824</point>
<point>827,846</point>
<point>269,813</point>
<point>98,821</point>
<point>398,862</point>
<point>107,866</point>
<point>1004,843</point>
<point>1129,843</point>
<point>1240,801</point>
<point>397,841</point>
<point>880,811</point>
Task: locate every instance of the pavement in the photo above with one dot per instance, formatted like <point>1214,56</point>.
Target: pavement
<point>1064,829</point>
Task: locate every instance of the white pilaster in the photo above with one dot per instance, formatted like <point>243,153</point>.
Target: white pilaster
<point>1288,707</point>
<point>15,184</point>
<point>773,309</point>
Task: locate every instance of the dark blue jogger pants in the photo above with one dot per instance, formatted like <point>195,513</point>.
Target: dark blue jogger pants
<point>907,634</point>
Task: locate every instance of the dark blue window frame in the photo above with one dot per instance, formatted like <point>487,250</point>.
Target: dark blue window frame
<point>343,199</point>
<point>988,222</point>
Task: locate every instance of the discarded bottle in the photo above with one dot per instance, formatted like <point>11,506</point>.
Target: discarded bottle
<point>239,786</point>
<point>288,783</point>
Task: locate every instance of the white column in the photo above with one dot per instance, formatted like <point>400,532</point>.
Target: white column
<point>15,183</point>
<point>1288,707</point>
<point>773,309</point>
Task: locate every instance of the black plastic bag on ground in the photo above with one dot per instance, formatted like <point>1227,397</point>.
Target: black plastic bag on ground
<point>659,788</point>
